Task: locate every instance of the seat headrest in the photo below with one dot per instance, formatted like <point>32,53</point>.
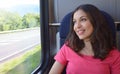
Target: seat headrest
<point>65,25</point>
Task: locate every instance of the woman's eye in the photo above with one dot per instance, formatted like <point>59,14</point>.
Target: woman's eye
<point>83,19</point>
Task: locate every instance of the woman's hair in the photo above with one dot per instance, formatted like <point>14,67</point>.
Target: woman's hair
<point>101,38</point>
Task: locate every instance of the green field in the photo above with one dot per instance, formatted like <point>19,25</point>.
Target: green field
<point>23,64</point>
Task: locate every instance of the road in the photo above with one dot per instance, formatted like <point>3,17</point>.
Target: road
<point>13,43</point>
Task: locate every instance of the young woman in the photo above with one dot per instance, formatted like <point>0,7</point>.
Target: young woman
<point>89,47</point>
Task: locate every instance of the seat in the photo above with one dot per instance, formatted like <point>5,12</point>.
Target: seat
<point>64,27</point>
<point>111,24</point>
<point>65,24</point>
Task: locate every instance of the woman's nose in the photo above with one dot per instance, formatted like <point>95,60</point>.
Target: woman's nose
<point>78,24</point>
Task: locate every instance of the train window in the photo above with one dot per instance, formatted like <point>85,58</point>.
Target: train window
<point>20,40</point>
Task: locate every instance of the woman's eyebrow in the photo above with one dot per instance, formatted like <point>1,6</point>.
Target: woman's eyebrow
<point>83,17</point>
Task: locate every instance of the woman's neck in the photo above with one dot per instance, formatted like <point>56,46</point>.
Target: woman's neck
<point>87,50</point>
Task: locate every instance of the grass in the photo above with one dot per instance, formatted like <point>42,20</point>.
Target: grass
<point>23,64</point>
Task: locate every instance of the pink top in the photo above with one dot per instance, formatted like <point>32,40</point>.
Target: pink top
<point>83,64</point>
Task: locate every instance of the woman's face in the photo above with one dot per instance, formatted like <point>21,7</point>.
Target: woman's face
<point>82,25</point>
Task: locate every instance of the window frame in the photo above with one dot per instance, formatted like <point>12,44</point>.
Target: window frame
<point>45,42</point>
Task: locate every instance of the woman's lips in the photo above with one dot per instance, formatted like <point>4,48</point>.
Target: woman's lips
<point>80,32</point>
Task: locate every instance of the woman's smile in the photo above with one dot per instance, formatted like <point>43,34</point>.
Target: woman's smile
<point>80,32</point>
<point>82,25</point>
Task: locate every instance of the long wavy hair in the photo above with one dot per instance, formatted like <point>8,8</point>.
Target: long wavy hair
<point>101,39</point>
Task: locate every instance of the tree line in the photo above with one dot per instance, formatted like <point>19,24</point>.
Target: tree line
<point>13,21</point>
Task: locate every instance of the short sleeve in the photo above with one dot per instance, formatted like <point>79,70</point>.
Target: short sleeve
<point>61,55</point>
<point>115,69</point>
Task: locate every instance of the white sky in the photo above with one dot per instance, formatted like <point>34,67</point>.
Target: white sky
<point>11,3</point>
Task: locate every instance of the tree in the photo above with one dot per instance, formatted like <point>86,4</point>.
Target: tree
<point>9,20</point>
<point>30,20</point>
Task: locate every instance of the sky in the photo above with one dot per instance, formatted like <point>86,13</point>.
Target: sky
<point>11,3</point>
<point>20,6</point>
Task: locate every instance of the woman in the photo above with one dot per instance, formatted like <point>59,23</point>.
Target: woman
<point>89,47</point>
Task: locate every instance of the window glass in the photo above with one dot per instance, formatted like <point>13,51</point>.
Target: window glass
<point>19,36</point>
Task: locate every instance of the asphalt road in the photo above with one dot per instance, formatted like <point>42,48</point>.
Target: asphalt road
<point>15,42</point>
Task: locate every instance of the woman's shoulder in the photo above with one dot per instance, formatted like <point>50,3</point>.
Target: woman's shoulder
<point>66,49</point>
<point>114,52</point>
<point>113,55</point>
<point>114,61</point>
